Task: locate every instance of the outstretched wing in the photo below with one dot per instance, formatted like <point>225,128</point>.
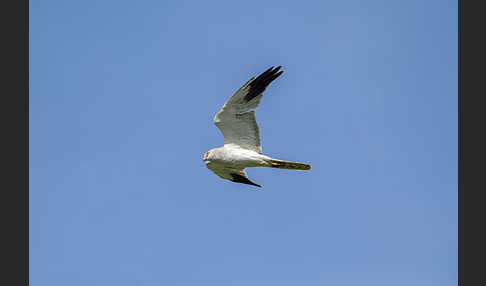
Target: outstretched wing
<point>232,174</point>
<point>236,119</point>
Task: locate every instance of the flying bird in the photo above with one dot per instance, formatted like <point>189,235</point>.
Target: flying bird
<point>242,148</point>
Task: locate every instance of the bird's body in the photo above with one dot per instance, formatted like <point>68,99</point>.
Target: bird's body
<point>237,157</point>
<point>242,148</point>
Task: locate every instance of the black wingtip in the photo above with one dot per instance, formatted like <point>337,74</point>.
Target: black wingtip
<point>240,179</point>
<point>258,85</point>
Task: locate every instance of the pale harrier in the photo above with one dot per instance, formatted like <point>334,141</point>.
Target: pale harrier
<point>242,148</point>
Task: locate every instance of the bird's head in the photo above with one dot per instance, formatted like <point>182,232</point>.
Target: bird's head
<point>206,156</point>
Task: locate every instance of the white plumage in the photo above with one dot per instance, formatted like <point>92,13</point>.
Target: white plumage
<point>242,147</point>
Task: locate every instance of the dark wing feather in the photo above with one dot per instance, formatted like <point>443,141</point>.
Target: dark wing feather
<point>241,179</point>
<point>259,84</point>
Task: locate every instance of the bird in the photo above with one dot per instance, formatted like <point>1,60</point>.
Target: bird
<point>242,147</point>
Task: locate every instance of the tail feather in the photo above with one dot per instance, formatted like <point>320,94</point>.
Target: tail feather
<point>281,164</point>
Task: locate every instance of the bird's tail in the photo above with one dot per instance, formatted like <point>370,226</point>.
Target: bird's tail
<point>281,164</point>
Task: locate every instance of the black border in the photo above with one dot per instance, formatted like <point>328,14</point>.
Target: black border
<point>471,143</point>
<point>15,142</point>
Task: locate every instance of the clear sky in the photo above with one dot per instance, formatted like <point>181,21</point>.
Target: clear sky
<point>122,98</point>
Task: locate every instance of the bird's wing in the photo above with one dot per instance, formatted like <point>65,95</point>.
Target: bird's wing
<point>236,119</point>
<point>232,174</point>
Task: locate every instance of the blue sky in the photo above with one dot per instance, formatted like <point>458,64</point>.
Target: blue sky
<point>122,97</point>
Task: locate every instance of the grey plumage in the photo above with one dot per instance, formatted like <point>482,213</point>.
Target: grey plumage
<point>242,146</point>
